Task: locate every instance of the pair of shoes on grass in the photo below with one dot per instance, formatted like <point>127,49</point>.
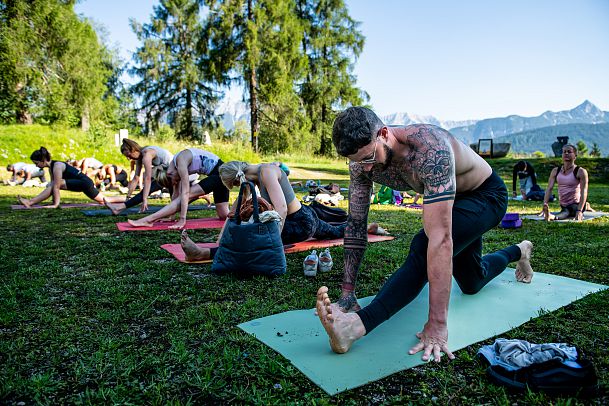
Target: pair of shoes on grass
<point>313,263</point>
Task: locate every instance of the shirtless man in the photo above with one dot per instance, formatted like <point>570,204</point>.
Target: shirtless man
<point>463,198</point>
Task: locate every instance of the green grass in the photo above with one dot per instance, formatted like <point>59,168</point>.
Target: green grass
<point>92,315</point>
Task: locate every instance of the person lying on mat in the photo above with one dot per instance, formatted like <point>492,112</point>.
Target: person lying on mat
<point>299,222</point>
<point>150,158</point>
<point>525,173</point>
<point>572,187</point>
<point>463,199</point>
<point>191,161</point>
<point>63,176</point>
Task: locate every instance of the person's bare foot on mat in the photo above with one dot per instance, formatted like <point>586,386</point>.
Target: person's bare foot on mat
<point>24,201</point>
<point>114,208</point>
<point>343,328</point>
<point>192,251</point>
<point>140,223</point>
<point>524,272</point>
<point>374,228</point>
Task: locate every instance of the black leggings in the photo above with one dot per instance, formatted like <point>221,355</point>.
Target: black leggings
<point>139,198</point>
<point>474,213</point>
<point>82,184</point>
<point>304,224</point>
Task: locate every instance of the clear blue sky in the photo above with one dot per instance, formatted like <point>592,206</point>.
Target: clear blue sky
<point>465,59</point>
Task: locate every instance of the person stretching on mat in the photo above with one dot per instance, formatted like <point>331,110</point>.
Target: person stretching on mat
<point>299,222</point>
<point>463,199</point>
<point>150,158</point>
<point>188,162</point>
<point>572,187</point>
<point>525,173</point>
<point>63,176</point>
<point>115,175</point>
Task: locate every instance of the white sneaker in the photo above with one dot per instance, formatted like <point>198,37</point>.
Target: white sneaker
<point>309,264</point>
<point>325,261</point>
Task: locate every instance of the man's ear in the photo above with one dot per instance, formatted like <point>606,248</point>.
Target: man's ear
<point>384,132</point>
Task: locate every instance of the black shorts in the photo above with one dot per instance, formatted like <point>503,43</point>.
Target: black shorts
<point>213,184</point>
<point>122,178</point>
<point>82,184</point>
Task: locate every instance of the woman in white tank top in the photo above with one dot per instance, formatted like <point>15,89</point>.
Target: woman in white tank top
<point>186,163</point>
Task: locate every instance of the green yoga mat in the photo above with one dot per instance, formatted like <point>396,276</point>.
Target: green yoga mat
<point>501,306</point>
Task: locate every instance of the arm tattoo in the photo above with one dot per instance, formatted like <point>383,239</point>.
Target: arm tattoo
<point>356,235</point>
<point>434,162</point>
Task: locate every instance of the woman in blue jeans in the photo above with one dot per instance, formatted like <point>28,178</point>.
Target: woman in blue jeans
<point>299,222</point>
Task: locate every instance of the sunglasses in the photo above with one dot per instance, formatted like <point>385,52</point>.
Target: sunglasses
<point>368,161</point>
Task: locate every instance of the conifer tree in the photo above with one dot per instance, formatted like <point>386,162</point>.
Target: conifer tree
<point>331,43</point>
<point>172,64</point>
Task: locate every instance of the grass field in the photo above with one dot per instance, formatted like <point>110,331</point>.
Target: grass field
<point>92,315</point>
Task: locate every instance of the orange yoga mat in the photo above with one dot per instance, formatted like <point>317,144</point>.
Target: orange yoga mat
<point>178,253</point>
<point>62,206</point>
<point>191,224</point>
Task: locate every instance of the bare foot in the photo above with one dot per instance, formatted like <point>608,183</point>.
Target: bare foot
<point>192,251</point>
<point>374,228</point>
<point>24,202</point>
<point>114,208</point>
<point>140,223</point>
<point>546,213</point>
<point>524,272</point>
<point>343,328</point>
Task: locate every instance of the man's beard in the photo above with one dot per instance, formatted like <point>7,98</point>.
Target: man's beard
<point>388,157</point>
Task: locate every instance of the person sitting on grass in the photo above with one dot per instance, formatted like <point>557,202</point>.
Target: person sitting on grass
<point>463,199</point>
<point>150,158</point>
<point>63,176</point>
<point>572,187</point>
<point>191,161</point>
<point>525,173</point>
<point>298,222</point>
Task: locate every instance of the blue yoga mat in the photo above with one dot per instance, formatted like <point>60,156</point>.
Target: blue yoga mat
<point>501,306</point>
<point>136,210</point>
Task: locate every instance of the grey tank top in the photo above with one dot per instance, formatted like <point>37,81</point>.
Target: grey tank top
<point>163,157</point>
<point>286,188</point>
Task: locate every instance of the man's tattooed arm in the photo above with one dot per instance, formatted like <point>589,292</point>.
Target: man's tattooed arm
<point>356,235</point>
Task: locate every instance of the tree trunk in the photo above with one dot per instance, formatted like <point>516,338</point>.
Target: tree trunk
<point>22,114</point>
<point>253,82</point>
<point>84,120</point>
<point>189,130</point>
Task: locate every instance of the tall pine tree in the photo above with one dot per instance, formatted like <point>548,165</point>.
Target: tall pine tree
<point>173,66</point>
<point>331,43</point>
<point>258,42</point>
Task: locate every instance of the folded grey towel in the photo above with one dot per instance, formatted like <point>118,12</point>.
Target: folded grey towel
<point>516,354</point>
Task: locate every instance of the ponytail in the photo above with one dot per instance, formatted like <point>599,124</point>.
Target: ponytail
<point>41,155</point>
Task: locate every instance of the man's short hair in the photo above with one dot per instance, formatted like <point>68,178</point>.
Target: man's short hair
<point>353,129</point>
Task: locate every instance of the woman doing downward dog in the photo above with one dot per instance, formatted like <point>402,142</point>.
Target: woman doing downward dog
<point>298,222</point>
<point>188,162</point>
<point>63,176</point>
<point>150,158</point>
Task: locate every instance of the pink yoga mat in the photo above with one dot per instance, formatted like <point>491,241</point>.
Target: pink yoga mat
<point>191,224</point>
<point>178,253</point>
<point>62,206</point>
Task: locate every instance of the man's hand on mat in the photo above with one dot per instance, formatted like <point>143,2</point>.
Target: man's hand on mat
<point>348,302</point>
<point>433,340</point>
<point>179,225</point>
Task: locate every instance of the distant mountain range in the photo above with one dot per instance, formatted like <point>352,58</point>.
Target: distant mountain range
<point>585,122</point>
<point>527,134</point>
